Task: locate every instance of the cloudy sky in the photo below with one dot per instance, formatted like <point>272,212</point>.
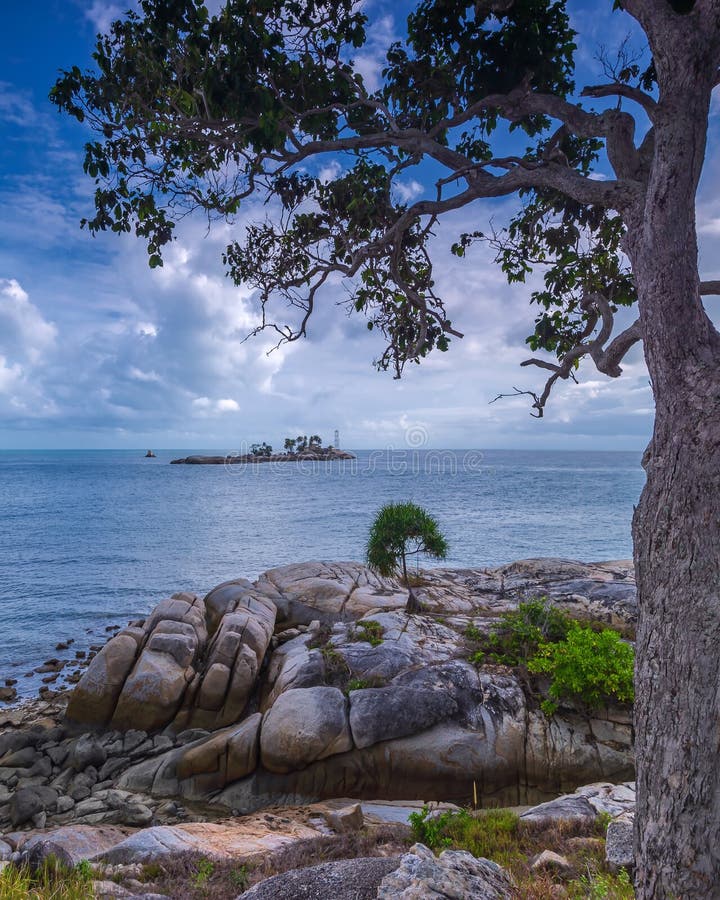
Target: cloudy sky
<point>97,350</point>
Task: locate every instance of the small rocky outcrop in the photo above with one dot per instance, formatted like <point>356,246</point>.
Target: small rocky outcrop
<point>345,879</point>
<point>455,873</point>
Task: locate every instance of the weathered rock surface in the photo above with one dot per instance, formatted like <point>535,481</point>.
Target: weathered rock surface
<point>346,879</point>
<point>619,850</point>
<point>585,804</point>
<point>454,874</point>
<point>303,726</point>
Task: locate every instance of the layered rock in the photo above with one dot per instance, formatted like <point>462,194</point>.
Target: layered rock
<point>313,682</point>
<point>191,663</point>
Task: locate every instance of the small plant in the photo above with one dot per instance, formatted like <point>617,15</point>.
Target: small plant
<point>337,670</point>
<point>429,829</point>
<point>84,869</point>
<point>203,870</point>
<point>51,881</point>
<point>370,631</point>
<point>519,634</point>
<point>360,684</point>
<point>588,666</point>
<point>240,878</point>
<point>602,886</point>
<point>402,530</point>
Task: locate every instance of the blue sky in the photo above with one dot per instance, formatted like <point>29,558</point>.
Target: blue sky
<point>97,350</point>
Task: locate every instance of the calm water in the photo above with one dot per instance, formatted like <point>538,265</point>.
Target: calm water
<point>92,538</point>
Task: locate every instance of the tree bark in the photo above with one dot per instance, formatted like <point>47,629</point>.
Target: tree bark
<point>676,527</point>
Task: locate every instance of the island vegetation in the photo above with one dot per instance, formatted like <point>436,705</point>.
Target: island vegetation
<point>301,448</point>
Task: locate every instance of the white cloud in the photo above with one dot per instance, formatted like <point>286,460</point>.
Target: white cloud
<point>228,405</point>
<point>24,333</point>
<point>139,375</point>
<point>102,13</point>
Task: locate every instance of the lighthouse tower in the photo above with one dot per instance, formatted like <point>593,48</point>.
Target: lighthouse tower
<point>336,442</point>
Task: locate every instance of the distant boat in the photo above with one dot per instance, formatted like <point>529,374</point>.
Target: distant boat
<point>149,455</point>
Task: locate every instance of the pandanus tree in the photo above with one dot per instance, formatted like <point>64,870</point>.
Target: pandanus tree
<point>400,532</point>
<point>193,111</point>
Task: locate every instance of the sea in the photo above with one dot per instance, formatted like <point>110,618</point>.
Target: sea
<point>91,539</point>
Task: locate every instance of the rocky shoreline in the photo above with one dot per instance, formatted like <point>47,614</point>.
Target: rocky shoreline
<point>286,709</point>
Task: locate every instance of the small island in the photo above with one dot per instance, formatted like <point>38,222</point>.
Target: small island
<point>294,450</point>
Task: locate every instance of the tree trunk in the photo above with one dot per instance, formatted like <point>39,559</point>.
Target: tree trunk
<point>676,527</point>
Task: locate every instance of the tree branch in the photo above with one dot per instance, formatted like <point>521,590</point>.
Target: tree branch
<point>606,359</point>
<point>709,288</point>
<point>618,89</point>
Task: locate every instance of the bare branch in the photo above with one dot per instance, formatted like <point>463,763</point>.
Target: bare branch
<point>709,288</point>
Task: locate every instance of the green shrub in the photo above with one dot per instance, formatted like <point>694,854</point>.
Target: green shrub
<point>602,886</point>
<point>588,666</point>
<point>519,634</point>
<point>370,631</point>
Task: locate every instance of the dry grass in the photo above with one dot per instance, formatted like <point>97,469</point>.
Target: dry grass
<point>194,877</point>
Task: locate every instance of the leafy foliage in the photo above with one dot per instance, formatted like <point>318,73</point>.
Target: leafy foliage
<point>369,631</point>
<point>401,530</point>
<point>491,834</point>
<point>588,666</point>
<point>520,633</point>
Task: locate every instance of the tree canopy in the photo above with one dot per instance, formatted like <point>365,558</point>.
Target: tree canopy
<point>193,111</point>
<point>399,531</point>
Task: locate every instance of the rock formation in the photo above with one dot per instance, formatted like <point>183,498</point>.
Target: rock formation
<point>312,682</point>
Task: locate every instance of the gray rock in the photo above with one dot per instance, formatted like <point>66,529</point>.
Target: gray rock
<point>88,751</point>
<point>349,818</point>
<point>81,785</point>
<point>346,879</point>
<point>64,804</point>
<point>455,874</point>
<point>380,714</point>
<point>570,808</point>
<point>79,841</point>
<point>619,852</point>
<point>40,853</point>
<point>14,740</point>
<point>136,814</point>
<point>550,860</point>
<point>29,801</point>
<point>20,759</point>
<point>302,726</point>
<point>113,765</point>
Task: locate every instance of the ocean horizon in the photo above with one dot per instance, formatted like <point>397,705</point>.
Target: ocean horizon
<point>94,538</point>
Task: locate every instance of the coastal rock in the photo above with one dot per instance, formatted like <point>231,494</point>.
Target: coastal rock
<point>345,879</point>
<point>585,804</point>
<point>455,873</point>
<point>303,726</point>
<point>313,682</point>
<point>238,841</point>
